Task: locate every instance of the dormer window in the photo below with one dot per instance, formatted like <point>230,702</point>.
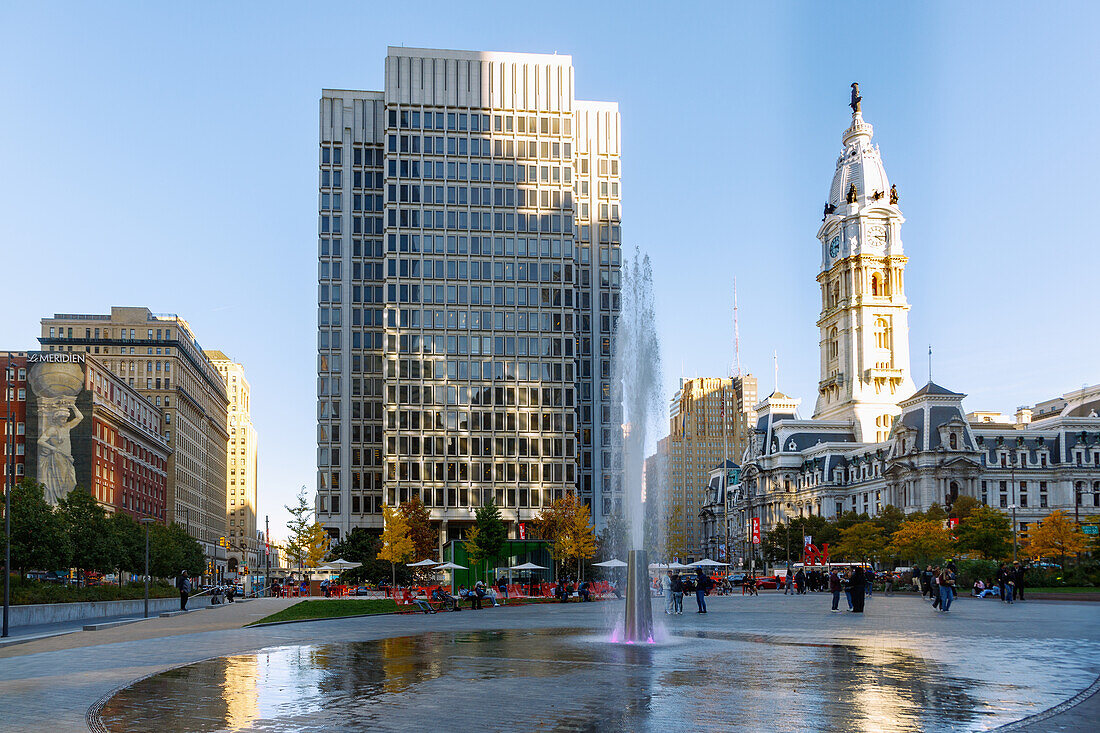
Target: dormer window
<point>953,441</point>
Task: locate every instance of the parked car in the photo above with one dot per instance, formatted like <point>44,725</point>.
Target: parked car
<point>362,590</point>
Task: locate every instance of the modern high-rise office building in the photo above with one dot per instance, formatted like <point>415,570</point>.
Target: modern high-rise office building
<point>242,468</point>
<point>469,265</point>
<point>158,355</point>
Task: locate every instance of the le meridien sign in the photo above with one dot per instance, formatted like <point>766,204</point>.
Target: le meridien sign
<point>56,357</point>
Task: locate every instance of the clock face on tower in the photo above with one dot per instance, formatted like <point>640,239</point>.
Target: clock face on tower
<point>834,246</point>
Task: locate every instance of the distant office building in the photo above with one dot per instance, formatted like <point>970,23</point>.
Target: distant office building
<point>84,426</point>
<point>710,420</point>
<point>158,355</point>
<point>469,274</point>
<point>242,466</point>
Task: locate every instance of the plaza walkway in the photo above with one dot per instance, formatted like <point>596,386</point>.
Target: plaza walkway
<point>1015,661</point>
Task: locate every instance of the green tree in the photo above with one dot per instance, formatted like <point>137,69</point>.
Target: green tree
<point>889,519</point>
<point>301,516</point>
<point>38,537</point>
<point>848,518</point>
<point>551,523</point>
<point>491,531</point>
<point>861,541</point>
<point>128,537</point>
<point>963,507</point>
<point>922,540</point>
<point>171,550</point>
<point>425,538</point>
<point>397,546</point>
<point>985,532</point>
<point>85,522</point>
<point>612,541</point>
<point>362,545</point>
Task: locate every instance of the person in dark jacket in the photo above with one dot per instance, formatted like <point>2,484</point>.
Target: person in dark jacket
<point>1018,578</point>
<point>702,585</point>
<point>856,584</point>
<point>800,582</point>
<point>1005,584</point>
<point>835,586</point>
<point>183,584</point>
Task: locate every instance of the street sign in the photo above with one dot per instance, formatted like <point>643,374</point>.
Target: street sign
<point>1091,529</point>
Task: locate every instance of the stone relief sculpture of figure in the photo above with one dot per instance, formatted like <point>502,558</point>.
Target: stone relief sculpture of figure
<point>893,193</point>
<point>829,209</point>
<point>57,386</point>
<point>852,194</point>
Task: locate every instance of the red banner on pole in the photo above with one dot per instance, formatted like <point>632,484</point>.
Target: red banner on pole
<point>756,530</point>
<point>522,530</point>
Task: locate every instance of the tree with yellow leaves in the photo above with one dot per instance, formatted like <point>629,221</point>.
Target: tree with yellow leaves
<point>317,542</point>
<point>675,545</point>
<point>923,540</point>
<point>579,538</point>
<point>1056,536</point>
<point>397,545</point>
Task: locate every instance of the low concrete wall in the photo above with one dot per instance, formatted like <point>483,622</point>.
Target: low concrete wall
<point>52,613</point>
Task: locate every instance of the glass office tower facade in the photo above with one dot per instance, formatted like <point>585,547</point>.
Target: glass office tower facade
<point>469,261</point>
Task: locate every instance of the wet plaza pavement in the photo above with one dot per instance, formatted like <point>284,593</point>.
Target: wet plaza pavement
<point>768,663</point>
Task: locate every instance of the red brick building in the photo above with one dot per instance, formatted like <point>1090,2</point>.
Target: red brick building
<point>13,402</point>
<point>91,429</point>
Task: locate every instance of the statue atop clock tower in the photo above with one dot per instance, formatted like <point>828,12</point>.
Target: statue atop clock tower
<point>864,317</point>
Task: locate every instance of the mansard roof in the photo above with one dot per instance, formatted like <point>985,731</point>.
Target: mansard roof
<point>934,389</point>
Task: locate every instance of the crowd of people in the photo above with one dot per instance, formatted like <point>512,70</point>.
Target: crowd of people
<point>1007,584</point>
<point>673,586</point>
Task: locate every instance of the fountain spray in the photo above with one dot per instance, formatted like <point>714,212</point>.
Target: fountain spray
<point>637,365</point>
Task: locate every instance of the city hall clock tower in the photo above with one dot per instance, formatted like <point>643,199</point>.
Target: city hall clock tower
<point>864,315</point>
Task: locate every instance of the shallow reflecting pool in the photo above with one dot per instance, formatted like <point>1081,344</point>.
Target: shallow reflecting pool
<point>563,680</point>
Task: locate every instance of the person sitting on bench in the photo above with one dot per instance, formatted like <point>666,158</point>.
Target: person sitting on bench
<point>445,599</point>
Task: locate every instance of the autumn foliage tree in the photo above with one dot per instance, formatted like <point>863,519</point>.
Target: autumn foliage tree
<point>425,539</point>
<point>986,533</point>
<point>862,541</point>
<point>1056,536</point>
<point>397,546</point>
<point>923,540</point>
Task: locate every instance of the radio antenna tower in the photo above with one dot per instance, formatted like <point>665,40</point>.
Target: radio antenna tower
<point>736,335</point>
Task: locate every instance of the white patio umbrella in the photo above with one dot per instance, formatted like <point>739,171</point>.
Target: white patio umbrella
<point>421,564</point>
<point>708,563</point>
<point>341,564</point>
<point>452,566</point>
<point>613,563</point>
<point>529,566</point>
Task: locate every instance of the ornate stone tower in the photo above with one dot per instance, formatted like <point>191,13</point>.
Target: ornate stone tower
<point>864,314</point>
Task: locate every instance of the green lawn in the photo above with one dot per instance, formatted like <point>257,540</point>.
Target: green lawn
<point>331,609</point>
<point>1060,590</point>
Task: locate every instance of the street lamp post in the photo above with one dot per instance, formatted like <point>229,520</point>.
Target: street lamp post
<point>9,486</point>
<point>1013,508</point>
<point>146,521</point>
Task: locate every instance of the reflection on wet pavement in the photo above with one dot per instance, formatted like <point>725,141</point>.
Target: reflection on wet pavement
<point>567,680</point>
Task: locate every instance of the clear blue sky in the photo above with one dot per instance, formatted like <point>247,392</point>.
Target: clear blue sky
<point>165,156</point>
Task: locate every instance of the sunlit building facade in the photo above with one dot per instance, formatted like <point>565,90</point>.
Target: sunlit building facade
<point>241,467</point>
<point>469,265</point>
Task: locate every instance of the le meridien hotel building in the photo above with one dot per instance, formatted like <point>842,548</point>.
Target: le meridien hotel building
<point>469,274</point>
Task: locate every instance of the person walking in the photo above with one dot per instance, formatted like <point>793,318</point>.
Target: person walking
<point>869,580</point>
<point>666,588</point>
<point>800,582</point>
<point>702,585</point>
<point>183,585</point>
<point>937,599</point>
<point>947,590</point>
<point>835,587</point>
<point>788,583</point>
<point>888,583</point>
<point>676,590</point>
<point>857,582</point>
<point>847,588</point>
<point>926,589</point>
